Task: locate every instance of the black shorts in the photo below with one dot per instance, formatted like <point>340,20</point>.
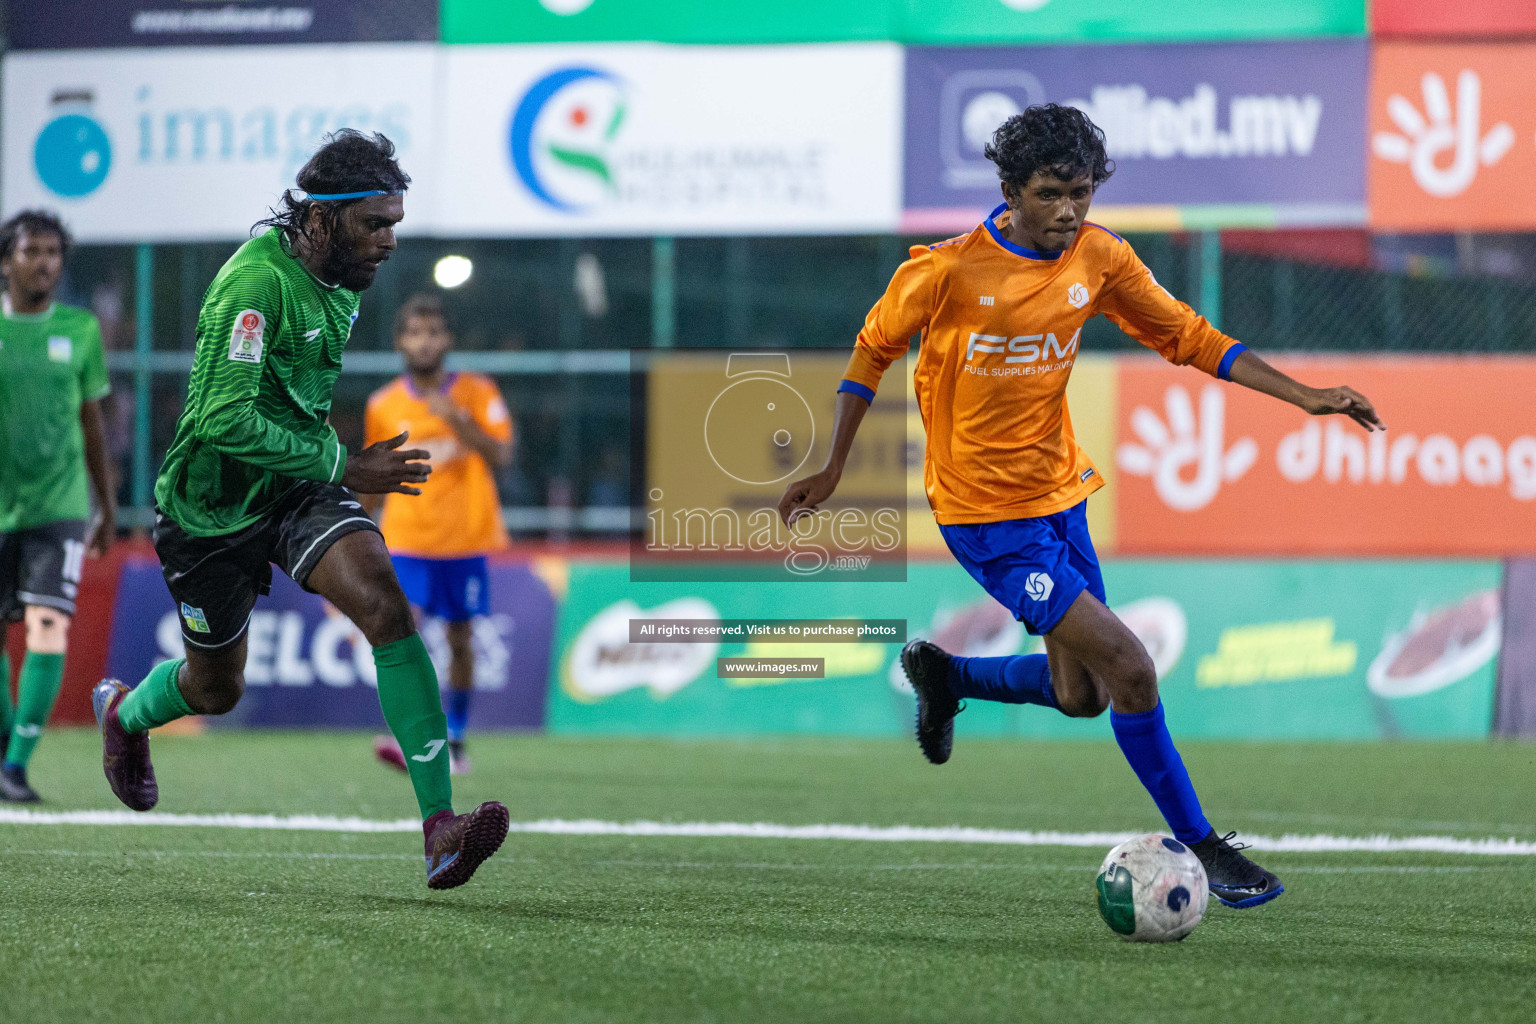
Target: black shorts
<point>215,580</point>
<point>41,566</point>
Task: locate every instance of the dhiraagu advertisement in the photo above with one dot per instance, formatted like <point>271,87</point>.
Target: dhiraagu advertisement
<point>1244,650</point>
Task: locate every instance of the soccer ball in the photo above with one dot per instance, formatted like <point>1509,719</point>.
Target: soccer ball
<point>1152,889</point>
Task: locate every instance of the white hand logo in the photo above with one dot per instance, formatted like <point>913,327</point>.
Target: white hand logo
<point>1422,141</point>
<point>1166,449</point>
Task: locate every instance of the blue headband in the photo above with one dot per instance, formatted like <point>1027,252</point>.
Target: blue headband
<point>350,195</point>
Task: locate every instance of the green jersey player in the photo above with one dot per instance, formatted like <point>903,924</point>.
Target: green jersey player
<point>52,381</point>
<point>256,475</point>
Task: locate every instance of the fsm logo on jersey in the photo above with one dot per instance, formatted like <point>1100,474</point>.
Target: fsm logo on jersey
<point>72,154</point>
<point>562,134</point>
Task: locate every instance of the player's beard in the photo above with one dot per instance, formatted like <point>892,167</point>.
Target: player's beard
<point>346,268</point>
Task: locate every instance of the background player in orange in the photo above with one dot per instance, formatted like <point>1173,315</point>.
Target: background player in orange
<point>439,540</point>
<point>1000,311</point>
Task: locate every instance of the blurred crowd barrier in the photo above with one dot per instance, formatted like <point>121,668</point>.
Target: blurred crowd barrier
<point>1244,648</point>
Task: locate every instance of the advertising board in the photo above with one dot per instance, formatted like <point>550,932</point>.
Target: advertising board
<point>1479,18</point>
<point>80,24</point>
<point>914,21</point>
<point>308,666</point>
<point>1202,135</point>
<point>1244,649</point>
<point>1211,468</point>
<point>188,144</point>
<point>677,21</point>
<point>1453,136</point>
<point>1016,21</point>
<point>619,139</point>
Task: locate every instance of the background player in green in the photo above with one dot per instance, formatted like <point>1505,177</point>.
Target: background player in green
<point>256,475</point>
<point>52,381</point>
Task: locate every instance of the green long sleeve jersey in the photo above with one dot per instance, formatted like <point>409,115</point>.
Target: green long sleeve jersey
<point>269,343</point>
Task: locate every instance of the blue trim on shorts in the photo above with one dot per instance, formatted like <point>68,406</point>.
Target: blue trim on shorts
<point>1034,567</point>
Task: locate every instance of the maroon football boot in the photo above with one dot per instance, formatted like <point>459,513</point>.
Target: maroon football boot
<point>124,755</point>
<point>458,844</point>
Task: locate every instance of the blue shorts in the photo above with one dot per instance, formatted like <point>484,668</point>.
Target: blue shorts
<point>1033,567</point>
<point>451,589</point>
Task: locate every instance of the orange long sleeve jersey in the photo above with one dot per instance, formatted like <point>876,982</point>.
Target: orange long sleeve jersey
<point>1000,327</point>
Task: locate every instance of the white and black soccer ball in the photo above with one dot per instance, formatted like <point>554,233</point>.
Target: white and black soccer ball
<point>1152,889</point>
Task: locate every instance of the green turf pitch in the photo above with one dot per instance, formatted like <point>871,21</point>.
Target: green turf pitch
<point>171,924</point>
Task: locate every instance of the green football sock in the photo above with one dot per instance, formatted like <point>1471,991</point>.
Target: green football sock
<point>155,701</point>
<point>414,710</point>
<point>36,690</point>
<point>7,713</point>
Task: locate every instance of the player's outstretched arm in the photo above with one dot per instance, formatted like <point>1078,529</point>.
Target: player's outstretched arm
<point>383,468</point>
<point>804,496</point>
<point>1252,372</point>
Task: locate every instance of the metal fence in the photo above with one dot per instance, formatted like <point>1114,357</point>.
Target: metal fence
<point>554,321</point>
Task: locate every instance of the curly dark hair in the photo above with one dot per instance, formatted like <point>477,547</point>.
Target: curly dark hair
<point>349,161</point>
<point>32,222</point>
<point>1052,138</point>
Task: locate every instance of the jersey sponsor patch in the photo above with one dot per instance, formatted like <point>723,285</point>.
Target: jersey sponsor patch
<point>60,348</point>
<point>196,621</point>
<point>496,412</point>
<point>246,340</point>
<point>1077,295</point>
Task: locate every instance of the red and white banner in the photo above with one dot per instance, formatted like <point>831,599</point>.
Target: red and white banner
<point>1210,468</point>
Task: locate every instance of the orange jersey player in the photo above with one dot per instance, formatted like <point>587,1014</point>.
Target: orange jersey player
<point>439,539</point>
<point>1001,312</point>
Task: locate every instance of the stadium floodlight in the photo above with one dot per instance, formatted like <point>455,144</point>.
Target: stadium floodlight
<point>452,271</point>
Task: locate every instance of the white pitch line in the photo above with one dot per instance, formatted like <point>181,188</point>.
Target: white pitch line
<point>1290,843</point>
<point>1025,866</point>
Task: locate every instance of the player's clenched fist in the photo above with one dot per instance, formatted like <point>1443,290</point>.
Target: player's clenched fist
<point>803,497</point>
<point>384,469</point>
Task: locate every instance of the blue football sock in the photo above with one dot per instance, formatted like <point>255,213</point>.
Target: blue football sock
<point>458,713</point>
<point>1016,679</point>
<point>1147,746</point>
